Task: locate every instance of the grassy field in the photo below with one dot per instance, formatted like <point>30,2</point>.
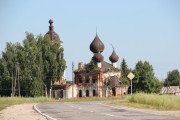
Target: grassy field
<point>152,101</point>
<point>8,101</point>
<point>140,100</point>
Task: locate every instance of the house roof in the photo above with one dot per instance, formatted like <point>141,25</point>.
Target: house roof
<point>105,66</point>
<point>114,82</point>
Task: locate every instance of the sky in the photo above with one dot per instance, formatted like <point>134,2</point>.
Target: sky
<point>138,29</point>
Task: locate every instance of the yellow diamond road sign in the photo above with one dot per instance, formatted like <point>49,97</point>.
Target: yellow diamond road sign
<point>131,76</point>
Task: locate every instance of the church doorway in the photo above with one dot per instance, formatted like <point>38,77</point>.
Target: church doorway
<point>80,93</point>
<point>87,93</point>
<point>94,92</point>
<point>114,91</point>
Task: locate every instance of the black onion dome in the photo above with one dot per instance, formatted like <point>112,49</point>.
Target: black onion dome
<point>97,45</point>
<point>114,57</point>
<point>52,34</point>
<point>98,57</point>
<point>50,21</point>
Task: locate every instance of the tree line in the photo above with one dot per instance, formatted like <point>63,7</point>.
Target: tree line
<point>145,79</point>
<point>30,68</point>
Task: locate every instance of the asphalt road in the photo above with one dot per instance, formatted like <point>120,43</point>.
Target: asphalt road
<point>95,111</point>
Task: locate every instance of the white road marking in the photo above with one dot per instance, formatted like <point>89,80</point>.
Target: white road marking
<point>47,116</point>
<point>91,111</point>
<point>109,115</point>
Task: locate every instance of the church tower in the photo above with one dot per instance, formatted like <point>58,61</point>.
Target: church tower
<point>55,38</point>
<point>53,35</point>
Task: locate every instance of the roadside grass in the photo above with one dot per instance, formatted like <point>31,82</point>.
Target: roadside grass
<point>8,101</point>
<point>139,100</point>
<point>151,101</point>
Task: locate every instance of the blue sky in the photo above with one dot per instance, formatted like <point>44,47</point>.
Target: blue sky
<point>138,29</point>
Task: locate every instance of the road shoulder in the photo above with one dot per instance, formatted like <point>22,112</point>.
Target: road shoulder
<point>21,112</point>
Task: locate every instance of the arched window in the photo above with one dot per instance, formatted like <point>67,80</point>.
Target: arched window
<point>87,93</point>
<point>94,92</point>
<point>80,93</point>
<point>87,80</point>
<point>80,80</point>
<point>94,80</point>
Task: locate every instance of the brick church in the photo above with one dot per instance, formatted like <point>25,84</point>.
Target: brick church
<point>98,78</point>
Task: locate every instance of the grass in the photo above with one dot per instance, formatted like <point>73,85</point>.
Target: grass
<point>8,101</point>
<point>139,100</point>
<point>152,101</point>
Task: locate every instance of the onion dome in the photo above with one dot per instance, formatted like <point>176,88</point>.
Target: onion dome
<point>114,57</point>
<point>97,45</point>
<point>52,34</point>
<point>98,57</point>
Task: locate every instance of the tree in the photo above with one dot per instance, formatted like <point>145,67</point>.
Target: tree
<point>124,69</point>
<point>54,63</point>
<point>33,66</point>
<point>38,62</point>
<point>145,79</point>
<point>173,78</point>
<point>124,72</point>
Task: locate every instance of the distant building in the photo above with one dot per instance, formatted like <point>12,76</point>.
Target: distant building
<point>172,90</point>
<point>98,78</point>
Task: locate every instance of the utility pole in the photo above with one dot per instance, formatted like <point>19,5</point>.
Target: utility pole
<point>18,79</point>
<point>50,89</point>
<point>14,91</point>
<point>72,79</point>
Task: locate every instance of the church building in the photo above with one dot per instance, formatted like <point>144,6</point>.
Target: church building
<point>98,78</point>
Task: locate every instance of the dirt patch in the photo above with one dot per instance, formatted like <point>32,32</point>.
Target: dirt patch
<point>21,112</point>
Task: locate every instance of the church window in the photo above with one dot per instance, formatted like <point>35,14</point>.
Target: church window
<point>87,80</point>
<point>80,80</point>
<point>94,80</point>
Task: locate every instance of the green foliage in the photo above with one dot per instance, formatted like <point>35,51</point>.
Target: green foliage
<point>125,81</point>
<point>152,101</point>
<point>145,79</point>
<point>173,78</point>
<point>124,69</point>
<point>36,88</point>
<point>8,101</point>
<point>90,66</point>
<point>40,61</point>
<point>163,102</point>
<point>124,73</point>
<point>111,69</point>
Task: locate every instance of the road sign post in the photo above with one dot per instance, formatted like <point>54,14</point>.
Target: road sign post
<point>131,76</point>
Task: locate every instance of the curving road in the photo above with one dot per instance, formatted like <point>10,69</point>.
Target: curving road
<point>95,111</point>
